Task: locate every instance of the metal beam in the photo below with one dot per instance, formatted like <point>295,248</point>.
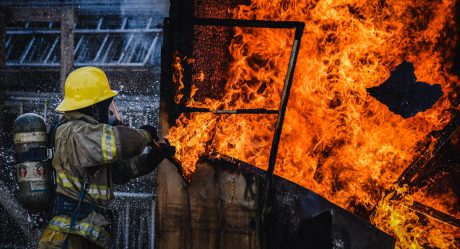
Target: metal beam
<point>131,52</point>
<point>2,59</point>
<point>125,48</point>
<point>107,50</point>
<point>124,22</point>
<point>152,47</point>
<point>111,64</point>
<point>117,31</point>
<point>9,39</point>
<point>101,47</point>
<point>279,122</point>
<point>149,23</point>
<point>247,23</point>
<point>3,41</point>
<point>99,23</point>
<point>236,111</point>
<point>134,66</point>
<point>26,51</point>
<point>80,31</point>
<point>67,43</point>
<point>128,51</point>
<point>80,41</point>
<point>434,213</point>
<point>132,195</point>
<point>50,52</point>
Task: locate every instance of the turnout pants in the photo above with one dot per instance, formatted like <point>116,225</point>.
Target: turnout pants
<point>51,239</point>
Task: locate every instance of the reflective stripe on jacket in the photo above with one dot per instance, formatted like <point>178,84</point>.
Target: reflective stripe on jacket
<point>84,145</point>
<point>96,192</point>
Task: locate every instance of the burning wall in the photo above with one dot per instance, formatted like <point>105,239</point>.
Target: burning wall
<point>337,140</point>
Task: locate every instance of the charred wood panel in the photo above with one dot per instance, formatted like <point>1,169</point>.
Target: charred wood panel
<point>212,63</point>
<point>214,211</point>
<point>219,209</point>
<point>213,9</point>
<point>205,46</point>
<point>300,218</point>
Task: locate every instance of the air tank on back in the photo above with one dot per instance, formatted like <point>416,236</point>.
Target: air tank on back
<point>31,157</point>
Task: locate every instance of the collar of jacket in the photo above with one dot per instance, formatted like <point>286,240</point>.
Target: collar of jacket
<point>75,115</point>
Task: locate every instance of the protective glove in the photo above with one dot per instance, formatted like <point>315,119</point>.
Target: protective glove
<point>152,130</point>
<point>167,150</point>
<point>170,152</point>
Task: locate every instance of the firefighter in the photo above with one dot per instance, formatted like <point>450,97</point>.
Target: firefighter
<point>91,154</point>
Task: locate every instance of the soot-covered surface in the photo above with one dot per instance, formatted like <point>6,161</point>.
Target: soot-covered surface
<point>300,218</point>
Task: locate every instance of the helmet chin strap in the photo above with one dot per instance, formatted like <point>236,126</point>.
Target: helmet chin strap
<point>99,111</point>
<point>100,115</point>
<point>105,112</point>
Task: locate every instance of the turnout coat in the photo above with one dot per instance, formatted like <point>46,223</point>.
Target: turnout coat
<point>105,154</point>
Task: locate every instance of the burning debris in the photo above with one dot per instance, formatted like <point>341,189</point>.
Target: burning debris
<point>403,94</point>
<point>300,217</point>
<point>337,140</point>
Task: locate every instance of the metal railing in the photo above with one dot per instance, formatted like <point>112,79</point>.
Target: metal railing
<point>98,46</point>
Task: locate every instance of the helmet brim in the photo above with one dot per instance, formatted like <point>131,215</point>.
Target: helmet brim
<point>70,104</point>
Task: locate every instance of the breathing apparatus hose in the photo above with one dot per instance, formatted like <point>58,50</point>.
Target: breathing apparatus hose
<point>76,213</point>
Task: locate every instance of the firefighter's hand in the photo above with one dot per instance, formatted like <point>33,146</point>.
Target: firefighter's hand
<point>167,150</point>
<point>152,130</point>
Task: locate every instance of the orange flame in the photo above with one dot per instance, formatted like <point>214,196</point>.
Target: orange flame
<point>337,140</point>
<point>178,77</point>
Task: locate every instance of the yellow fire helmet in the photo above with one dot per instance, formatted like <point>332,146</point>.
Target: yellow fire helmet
<point>84,87</point>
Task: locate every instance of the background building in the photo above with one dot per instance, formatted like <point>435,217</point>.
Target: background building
<point>40,43</point>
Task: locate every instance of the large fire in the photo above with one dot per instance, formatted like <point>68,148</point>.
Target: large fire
<point>337,140</point>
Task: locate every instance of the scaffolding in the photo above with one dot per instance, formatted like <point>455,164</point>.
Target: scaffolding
<point>120,42</point>
<point>106,41</point>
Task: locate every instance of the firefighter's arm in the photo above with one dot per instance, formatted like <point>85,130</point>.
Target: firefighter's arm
<point>100,144</point>
<point>140,165</point>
